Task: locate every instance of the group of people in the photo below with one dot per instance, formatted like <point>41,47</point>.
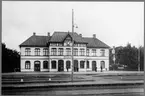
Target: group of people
<point>101,69</point>
<point>95,69</point>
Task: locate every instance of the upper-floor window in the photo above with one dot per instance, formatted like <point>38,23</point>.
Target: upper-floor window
<point>94,52</point>
<point>82,52</point>
<point>87,52</point>
<point>76,45</point>
<point>27,51</point>
<point>59,44</point>
<point>75,52</point>
<point>37,51</point>
<point>45,52</point>
<point>102,52</point>
<point>60,51</point>
<point>53,51</point>
<point>68,51</point>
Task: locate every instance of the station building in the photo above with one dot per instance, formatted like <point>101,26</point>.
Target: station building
<point>54,53</point>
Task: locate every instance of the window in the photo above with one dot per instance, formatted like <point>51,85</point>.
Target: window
<point>59,44</point>
<point>76,45</point>
<point>60,51</point>
<point>68,64</point>
<point>53,64</point>
<point>45,52</point>
<point>102,52</point>
<point>88,64</point>
<point>37,51</point>
<point>94,52</point>
<point>75,52</point>
<point>53,51</point>
<point>87,52</point>
<point>45,64</point>
<point>68,51</point>
<point>82,64</point>
<point>103,64</point>
<point>27,65</point>
<point>82,52</point>
<point>27,51</point>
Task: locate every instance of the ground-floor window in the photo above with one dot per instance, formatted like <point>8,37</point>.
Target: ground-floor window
<point>45,64</point>
<point>68,64</point>
<point>27,65</point>
<point>103,64</point>
<point>88,64</point>
<point>82,65</point>
<point>53,64</point>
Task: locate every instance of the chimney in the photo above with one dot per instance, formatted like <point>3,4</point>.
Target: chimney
<point>80,35</point>
<point>34,33</point>
<point>48,34</point>
<point>94,35</point>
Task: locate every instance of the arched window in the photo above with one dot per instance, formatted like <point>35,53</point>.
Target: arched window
<point>37,51</point>
<point>45,64</point>
<point>103,64</point>
<point>88,64</point>
<point>82,65</point>
<point>68,64</point>
<point>27,65</point>
<point>27,51</point>
<point>75,52</point>
<point>53,64</point>
<point>45,52</point>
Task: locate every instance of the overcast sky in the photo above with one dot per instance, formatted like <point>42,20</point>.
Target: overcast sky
<point>115,23</point>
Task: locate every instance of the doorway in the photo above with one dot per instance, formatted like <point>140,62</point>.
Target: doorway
<point>37,66</point>
<point>93,65</point>
<point>60,65</point>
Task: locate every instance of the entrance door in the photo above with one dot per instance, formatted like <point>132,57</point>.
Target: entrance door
<point>76,68</point>
<point>60,65</point>
<point>37,66</point>
<point>93,65</point>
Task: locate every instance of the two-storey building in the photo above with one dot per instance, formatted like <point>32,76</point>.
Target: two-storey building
<point>54,53</point>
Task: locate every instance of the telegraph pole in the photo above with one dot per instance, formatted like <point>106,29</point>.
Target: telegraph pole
<point>139,59</point>
<point>72,46</point>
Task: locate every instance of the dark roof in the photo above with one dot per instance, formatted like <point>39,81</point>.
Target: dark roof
<point>95,43</point>
<point>60,36</point>
<point>41,41</point>
<point>36,41</point>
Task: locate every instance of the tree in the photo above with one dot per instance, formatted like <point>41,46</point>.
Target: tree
<point>128,56</point>
<point>10,59</point>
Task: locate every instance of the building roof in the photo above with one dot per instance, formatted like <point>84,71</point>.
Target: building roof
<point>41,41</point>
<point>60,36</point>
<point>36,41</point>
<point>95,43</point>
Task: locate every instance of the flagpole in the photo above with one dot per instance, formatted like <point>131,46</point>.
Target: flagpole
<point>72,46</point>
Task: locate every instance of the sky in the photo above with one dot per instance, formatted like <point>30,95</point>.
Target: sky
<point>114,23</point>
